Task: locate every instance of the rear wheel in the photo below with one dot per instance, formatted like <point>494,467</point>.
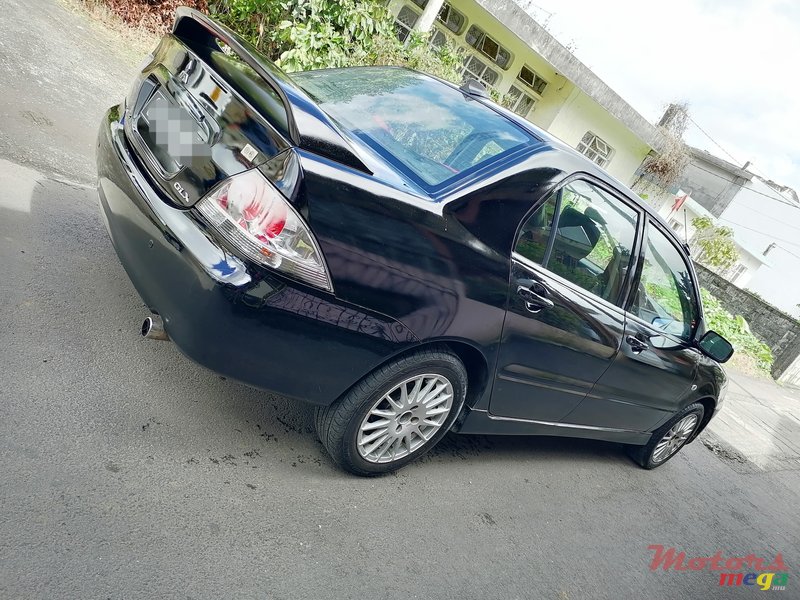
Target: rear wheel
<point>669,438</point>
<point>395,414</point>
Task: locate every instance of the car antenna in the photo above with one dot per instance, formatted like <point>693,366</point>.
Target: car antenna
<point>473,87</point>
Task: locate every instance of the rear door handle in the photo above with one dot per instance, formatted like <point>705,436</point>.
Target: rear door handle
<point>534,294</point>
<point>637,346</point>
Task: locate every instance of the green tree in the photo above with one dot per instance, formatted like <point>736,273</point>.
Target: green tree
<point>717,248</point>
<point>312,34</point>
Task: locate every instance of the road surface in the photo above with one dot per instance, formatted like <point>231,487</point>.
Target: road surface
<point>130,472</point>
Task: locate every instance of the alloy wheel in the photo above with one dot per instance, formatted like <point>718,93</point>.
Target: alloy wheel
<point>674,438</point>
<point>405,418</point>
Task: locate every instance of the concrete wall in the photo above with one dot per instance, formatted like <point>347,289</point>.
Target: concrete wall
<point>760,221</point>
<point>779,331</point>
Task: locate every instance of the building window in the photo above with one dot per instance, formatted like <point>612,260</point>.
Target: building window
<point>404,22</point>
<point>439,39</point>
<point>452,19</point>
<point>478,39</point>
<point>595,149</point>
<point>529,77</point>
<point>737,272</point>
<point>474,68</point>
<point>448,16</point>
<point>518,101</point>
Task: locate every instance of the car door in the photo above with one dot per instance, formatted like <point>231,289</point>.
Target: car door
<point>657,364</point>
<point>564,322</point>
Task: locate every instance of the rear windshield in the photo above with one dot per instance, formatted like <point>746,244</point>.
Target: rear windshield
<point>421,125</point>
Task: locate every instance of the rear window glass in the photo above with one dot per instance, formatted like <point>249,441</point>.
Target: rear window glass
<point>423,126</point>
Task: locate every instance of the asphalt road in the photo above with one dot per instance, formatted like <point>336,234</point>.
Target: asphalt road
<point>129,472</point>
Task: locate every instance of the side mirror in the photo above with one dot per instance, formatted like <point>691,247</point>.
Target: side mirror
<point>715,346</point>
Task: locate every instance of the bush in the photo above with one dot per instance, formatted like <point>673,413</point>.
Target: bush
<point>311,34</point>
<point>306,34</point>
<point>153,15</point>
<point>736,331</point>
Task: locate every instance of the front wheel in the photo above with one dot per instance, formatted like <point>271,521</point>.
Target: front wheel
<point>394,415</point>
<point>669,438</point>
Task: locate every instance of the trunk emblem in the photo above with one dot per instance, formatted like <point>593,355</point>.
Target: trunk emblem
<point>182,192</point>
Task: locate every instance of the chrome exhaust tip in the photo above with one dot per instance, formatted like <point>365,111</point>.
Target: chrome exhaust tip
<point>153,329</point>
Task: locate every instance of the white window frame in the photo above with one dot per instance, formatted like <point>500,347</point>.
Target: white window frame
<point>537,79</point>
<point>447,8</point>
<point>440,26</point>
<point>479,48</point>
<point>589,147</point>
<point>737,271</point>
<point>405,27</point>
<point>468,73</point>
<point>517,98</point>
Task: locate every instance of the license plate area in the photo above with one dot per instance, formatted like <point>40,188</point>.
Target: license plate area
<point>173,135</point>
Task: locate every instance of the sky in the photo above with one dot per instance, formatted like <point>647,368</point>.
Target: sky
<point>734,61</point>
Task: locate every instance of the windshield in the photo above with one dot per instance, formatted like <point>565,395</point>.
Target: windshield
<point>423,126</point>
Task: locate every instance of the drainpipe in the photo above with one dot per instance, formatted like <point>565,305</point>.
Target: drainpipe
<point>429,15</point>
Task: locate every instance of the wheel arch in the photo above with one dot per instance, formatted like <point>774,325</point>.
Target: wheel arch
<point>474,360</point>
<point>477,367</point>
<point>709,406</point>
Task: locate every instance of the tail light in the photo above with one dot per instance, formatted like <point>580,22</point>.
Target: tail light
<point>251,214</point>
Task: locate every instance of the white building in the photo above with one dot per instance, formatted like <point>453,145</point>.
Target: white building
<point>767,219</point>
<point>680,216</point>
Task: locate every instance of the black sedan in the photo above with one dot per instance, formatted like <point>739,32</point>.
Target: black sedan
<point>402,253</point>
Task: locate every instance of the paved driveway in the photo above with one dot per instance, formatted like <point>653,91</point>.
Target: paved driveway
<point>129,472</point>
<point>760,426</point>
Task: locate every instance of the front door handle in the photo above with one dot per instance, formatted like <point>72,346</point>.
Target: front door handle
<point>534,294</point>
<point>637,346</point>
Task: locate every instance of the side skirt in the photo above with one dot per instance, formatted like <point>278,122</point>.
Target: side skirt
<point>481,422</point>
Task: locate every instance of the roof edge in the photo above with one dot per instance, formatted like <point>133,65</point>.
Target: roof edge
<point>525,27</point>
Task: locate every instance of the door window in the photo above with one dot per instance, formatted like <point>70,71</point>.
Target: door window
<point>584,235</point>
<point>665,296</point>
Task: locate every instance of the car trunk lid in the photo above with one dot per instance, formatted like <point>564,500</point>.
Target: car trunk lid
<point>207,106</point>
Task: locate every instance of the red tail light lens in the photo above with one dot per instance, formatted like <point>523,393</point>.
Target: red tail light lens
<point>253,216</point>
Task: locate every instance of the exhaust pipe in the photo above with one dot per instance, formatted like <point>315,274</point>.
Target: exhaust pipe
<point>153,329</point>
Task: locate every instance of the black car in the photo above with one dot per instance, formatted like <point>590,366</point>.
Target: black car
<point>402,253</point>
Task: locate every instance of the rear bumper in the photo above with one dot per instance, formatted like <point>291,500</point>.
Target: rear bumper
<point>235,318</point>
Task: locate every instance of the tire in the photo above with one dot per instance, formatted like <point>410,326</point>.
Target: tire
<point>412,429</point>
<point>649,457</point>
